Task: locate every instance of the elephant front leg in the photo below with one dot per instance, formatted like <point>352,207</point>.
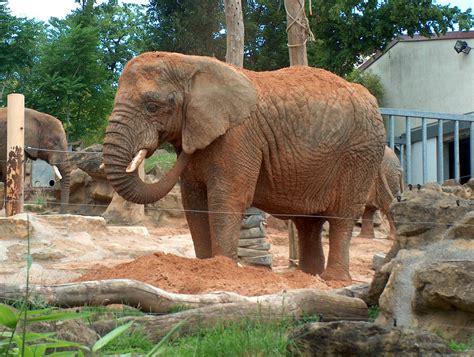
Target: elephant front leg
<point>340,232</point>
<point>196,211</point>
<point>310,247</point>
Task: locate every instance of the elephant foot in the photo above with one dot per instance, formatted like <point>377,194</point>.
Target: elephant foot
<point>313,269</point>
<point>366,235</point>
<point>336,274</point>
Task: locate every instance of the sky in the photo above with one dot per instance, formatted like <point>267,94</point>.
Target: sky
<point>44,9</point>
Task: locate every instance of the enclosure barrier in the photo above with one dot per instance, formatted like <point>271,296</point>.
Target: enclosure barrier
<point>404,142</point>
<point>15,154</point>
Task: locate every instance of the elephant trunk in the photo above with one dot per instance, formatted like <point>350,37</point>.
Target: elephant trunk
<point>117,156</point>
<point>65,170</point>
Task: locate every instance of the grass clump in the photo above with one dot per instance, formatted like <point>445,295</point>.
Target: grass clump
<point>163,159</point>
<point>234,339</point>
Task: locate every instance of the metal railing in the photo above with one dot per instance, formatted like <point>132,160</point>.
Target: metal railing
<point>441,129</point>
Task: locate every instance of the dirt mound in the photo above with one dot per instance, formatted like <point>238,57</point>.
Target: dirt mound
<point>193,276</point>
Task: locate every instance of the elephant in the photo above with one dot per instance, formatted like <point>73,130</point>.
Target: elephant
<point>387,185</point>
<point>291,142</point>
<point>45,136</point>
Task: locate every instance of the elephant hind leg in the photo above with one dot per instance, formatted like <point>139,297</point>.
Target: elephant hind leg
<point>196,211</point>
<point>392,234</point>
<point>310,248</point>
<point>340,233</point>
<point>367,229</point>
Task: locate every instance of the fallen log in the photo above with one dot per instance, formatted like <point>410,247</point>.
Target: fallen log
<point>290,305</point>
<point>151,299</point>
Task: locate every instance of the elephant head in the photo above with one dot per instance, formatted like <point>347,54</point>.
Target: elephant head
<point>188,101</point>
<point>45,139</point>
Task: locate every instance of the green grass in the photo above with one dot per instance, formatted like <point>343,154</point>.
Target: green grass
<point>133,342</point>
<point>164,160</point>
<point>237,339</point>
<point>457,346</point>
<point>373,313</point>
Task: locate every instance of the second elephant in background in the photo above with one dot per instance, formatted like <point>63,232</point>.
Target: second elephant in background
<point>387,185</point>
<point>45,139</point>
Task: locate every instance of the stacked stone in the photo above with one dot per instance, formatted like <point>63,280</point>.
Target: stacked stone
<point>253,245</point>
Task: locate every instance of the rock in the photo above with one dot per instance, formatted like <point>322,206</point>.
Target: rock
<point>349,338</point>
<point>251,252</point>
<point>69,330</point>
<point>78,179</point>
<point>424,216</point>
<point>434,186</point>
<point>460,191</point>
<point>252,242</point>
<point>15,227</point>
<point>378,260</point>
<point>470,183</point>
<point>265,260</point>
<point>102,191</point>
<point>356,291</point>
<point>89,160</point>
<point>450,182</point>
<point>256,232</point>
<point>446,286</point>
<point>121,211</point>
<point>169,207</point>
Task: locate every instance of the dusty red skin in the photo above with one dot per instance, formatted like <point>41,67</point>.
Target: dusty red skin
<point>292,142</point>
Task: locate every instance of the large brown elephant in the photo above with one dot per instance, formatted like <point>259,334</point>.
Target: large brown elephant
<point>293,142</point>
<point>45,135</point>
<point>386,186</point>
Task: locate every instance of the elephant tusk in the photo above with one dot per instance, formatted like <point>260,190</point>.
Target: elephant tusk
<point>137,160</point>
<point>56,171</point>
<point>101,166</point>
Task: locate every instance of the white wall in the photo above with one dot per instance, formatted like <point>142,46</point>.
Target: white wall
<point>427,76</point>
<point>417,160</point>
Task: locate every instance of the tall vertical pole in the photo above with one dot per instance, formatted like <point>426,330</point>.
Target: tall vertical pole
<point>15,156</point>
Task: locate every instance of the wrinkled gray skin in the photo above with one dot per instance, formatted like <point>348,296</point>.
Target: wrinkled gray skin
<point>292,142</point>
<point>42,131</point>
<point>387,185</point>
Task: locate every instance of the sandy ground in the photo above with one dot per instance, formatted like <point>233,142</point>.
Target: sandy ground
<point>70,248</point>
<point>191,276</point>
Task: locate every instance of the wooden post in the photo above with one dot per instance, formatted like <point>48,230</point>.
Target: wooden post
<point>235,32</point>
<point>15,153</point>
<point>293,244</point>
<point>298,32</point>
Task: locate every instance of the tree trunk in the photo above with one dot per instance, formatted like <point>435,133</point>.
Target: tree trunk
<point>298,32</point>
<point>235,32</point>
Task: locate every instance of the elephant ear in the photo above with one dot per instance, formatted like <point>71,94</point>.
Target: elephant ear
<point>219,97</point>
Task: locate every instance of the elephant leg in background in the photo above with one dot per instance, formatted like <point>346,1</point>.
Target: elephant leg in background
<point>392,234</point>
<point>310,247</point>
<point>196,210</point>
<point>340,233</point>
<point>367,228</point>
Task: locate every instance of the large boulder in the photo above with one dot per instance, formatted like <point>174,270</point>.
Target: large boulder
<point>428,276</point>
<point>350,338</point>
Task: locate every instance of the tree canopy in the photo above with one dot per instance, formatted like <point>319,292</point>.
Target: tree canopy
<point>69,67</point>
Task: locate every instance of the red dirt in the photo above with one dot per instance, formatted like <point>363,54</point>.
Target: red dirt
<point>194,276</point>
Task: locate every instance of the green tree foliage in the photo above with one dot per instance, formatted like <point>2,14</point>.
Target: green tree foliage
<point>368,80</point>
<point>71,81</point>
<point>19,38</point>
<point>349,30</point>
<point>187,26</point>
<point>265,35</point>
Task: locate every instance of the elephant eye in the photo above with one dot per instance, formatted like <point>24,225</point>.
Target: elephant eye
<point>152,107</point>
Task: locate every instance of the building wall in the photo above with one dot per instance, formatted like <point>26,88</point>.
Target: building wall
<point>427,76</point>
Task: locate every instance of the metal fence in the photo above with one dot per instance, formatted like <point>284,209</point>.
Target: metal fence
<point>442,124</point>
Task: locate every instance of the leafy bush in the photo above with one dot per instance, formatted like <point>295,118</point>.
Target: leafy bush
<point>370,81</point>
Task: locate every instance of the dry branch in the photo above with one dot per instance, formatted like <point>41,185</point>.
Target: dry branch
<point>207,309</point>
